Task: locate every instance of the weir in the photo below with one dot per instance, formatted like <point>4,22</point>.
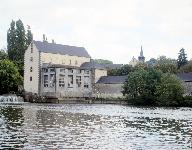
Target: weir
<point>10,99</point>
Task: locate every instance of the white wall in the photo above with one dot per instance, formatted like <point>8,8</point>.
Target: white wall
<point>31,86</point>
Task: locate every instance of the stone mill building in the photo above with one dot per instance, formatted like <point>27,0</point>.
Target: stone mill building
<point>59,71</point>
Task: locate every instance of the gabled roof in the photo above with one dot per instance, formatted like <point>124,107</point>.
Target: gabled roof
<point>187,77</point>
<point>61,49</point>
<point>92,65</point>
<point>112,79</point>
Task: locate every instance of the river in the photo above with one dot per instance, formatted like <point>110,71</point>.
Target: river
<point>94,126</point>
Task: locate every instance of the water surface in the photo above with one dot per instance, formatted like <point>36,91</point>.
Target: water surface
<point>80,126</point>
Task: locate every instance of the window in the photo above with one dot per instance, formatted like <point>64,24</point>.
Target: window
<point>78,71</point>
<point>31,47</point>
<point>76,62</point>
<point>70,62</point>
<point>31,58</point>
<point>86,86</point>
<point>86,82</point>
<point>70,70</point>
<point>52,80</point>
<point>86,71</point>
<point>30,78</point>
<point>81,71</point>
<point>45,80</point>
<point>45,70</point>
<point>52,69</point>
<point>70,81</point>
<point>61,80</point>
<point>31,69</point>
<point>78,81</point>
<point>62,70</point>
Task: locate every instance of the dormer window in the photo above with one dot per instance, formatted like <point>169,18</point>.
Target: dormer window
<point>31,58</point>
<point>31,69</point>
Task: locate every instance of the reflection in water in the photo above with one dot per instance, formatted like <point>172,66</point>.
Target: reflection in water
<point>11,120</point>
<point>33,126</point>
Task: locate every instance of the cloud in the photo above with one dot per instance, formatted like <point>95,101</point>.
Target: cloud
<point>108,29</point>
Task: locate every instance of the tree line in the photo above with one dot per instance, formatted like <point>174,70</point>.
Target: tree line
<point>155,83</point>
<point>12,59</point>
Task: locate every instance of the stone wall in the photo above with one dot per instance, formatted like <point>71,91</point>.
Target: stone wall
<point>54,89</point>
<point>63,59</point>
<point>99,73</point>
<point>31,69</point>
<point>108,90</point>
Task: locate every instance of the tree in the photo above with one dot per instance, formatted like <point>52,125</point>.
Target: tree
<point>169,91</point>
<point>10,77</point>
<point>152,87</point>
<point>103,61</point>
<point>3,54</point>
<point>11,42</point>
<point>182,58</point>
<point>152,62</point>
<point>29,35</point>
<point>140,86</point>
<point>124,70</point>
<point>186,68</point>
<point>166,65</point>
<point>17,43</point>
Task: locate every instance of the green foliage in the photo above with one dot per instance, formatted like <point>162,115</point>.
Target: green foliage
<point>103,61</point>
<point>10,77</point>
<point>124,70</point>
<point>186,68</point>
<point>29,36</point>
<point>182,58</point>
<point>151,63</point>
<point>152,87</point>
<point>166,65</point>
<point>3,55</point>
<point>187,101</point>
<point>141,65</point>
<point>17,43</point>
<point>169,91</point>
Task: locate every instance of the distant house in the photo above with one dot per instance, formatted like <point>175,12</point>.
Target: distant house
<point>58,70</point>
<point>187,82</point>
<point>110,86</point>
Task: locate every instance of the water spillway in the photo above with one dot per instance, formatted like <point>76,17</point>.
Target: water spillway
<point>10,99</point>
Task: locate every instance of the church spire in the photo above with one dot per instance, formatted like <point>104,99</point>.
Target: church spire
<point>141,52</point>
<point>141,58</point>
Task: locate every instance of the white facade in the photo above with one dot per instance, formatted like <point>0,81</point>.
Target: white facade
<point>34,76</point>
<point>31,69</point>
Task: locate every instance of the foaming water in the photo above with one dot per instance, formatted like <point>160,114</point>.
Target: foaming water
<point>35,126</point>
<point>10,99</point>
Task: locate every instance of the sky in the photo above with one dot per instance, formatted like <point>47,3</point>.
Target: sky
<point>108,29</point>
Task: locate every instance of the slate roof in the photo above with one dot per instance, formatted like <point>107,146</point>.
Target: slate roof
<point>92,65</point>
<point>112,79</point>
<point>187,77</point>
<point>49,65</point>
<point>61,49</point>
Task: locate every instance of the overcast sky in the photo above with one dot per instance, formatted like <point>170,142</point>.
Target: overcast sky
<point>108,29</point>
